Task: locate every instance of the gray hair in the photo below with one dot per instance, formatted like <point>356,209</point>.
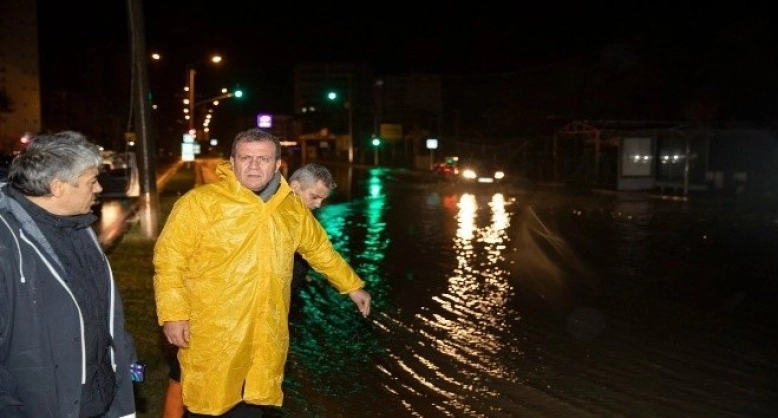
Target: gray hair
<point>63,155</point>
<point>256,135</point>
<point>309,174</point>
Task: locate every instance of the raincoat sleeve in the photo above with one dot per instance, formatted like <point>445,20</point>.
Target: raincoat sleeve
<point>172,252</point>
<point>316,248</point>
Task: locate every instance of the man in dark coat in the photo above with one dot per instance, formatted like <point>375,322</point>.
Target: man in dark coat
<point>64,351</point>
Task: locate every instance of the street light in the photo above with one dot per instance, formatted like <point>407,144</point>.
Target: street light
<point>190,101</point>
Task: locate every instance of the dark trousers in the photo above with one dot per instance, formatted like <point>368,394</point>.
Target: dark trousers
<point>241,410</point>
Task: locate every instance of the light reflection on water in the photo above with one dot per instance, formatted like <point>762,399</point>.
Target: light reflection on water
<point>514,304</point>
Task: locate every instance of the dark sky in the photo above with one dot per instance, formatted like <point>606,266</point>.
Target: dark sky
<point>454,38</point>
<point>262,41</point>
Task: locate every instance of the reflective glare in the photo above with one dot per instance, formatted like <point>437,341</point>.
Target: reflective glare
<point>110,223</point>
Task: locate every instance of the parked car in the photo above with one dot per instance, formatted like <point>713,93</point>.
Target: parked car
<point>119,175</point>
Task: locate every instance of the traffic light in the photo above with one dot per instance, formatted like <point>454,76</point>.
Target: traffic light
<point>376,141</point>
<point>238,93</point>
<point>332,95</point>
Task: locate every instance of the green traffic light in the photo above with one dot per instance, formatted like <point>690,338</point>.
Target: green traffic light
<point>376,142</point>
<point>332,95</point>
<point>238,93</point>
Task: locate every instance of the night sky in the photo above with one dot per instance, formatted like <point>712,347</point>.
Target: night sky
<point>261,42</point>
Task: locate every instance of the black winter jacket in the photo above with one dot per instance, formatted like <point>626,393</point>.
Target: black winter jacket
<point>42,365</point>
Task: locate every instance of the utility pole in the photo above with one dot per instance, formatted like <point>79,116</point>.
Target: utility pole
<point>149,203</point>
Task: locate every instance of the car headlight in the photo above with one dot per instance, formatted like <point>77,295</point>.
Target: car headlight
<point>468,173</point>
<point>499,175</point>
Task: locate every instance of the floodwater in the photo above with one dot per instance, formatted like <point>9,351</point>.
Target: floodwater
<point>542,303</point>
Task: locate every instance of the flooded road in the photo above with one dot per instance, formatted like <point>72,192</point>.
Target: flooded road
<point>542,303</point>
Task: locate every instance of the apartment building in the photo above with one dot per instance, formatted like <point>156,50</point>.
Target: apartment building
<point>20,103</point>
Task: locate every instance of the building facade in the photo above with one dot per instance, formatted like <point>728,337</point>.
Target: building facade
<point>20,108</point>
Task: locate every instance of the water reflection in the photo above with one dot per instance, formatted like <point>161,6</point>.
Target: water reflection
<point>328,323</point>
<point>472,311</point>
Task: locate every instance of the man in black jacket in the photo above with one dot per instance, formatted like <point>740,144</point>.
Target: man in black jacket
<point>64,351</point>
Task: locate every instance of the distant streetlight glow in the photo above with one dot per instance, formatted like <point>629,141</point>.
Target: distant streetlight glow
<point>190,73</point>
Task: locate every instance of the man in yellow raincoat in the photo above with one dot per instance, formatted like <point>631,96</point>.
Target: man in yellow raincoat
<point>223,268</point>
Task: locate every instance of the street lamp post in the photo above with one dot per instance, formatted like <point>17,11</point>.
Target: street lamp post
<point>149,198</point>
<point>191,98</point>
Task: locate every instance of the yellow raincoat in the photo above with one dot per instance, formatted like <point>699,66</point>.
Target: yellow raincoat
<point>224,262</point>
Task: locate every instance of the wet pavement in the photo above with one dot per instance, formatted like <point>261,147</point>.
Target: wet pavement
<point>547,303</point>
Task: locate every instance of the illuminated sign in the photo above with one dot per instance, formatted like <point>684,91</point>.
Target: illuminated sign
<point>187,151</point>
<point>264,120</point>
